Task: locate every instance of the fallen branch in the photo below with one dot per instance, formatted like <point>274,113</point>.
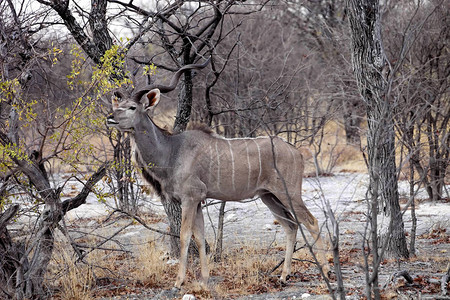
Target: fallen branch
<point>99,245</point>
<point>403,274</point>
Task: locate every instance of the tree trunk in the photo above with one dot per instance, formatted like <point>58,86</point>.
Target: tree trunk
<point>172,207</point>
<point>184,103</point>
<point>383,161</point>
<point>412,242</point>
<point>11,254</point>
<point>352,123</point>
<point>99,27</point>
<point>369,62</point>
<point>34,278</point>
<point>219,239</point>
<point>122,172</point>
<point>173,211</point>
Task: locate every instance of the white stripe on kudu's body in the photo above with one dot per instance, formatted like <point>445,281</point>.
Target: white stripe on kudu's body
<point>218,167</point>
<point>232,165</point>
<point>259,160</point>
<point>249,166</point>
<point>211,163</point>
<point>195,165</point>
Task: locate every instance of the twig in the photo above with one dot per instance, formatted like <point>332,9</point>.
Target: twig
<point>103,248</point>
<point>74,245</point>
<point>144,224</point>
<point>282,260</point>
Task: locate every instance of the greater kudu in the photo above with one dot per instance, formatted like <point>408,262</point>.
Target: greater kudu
<point>194,165</point>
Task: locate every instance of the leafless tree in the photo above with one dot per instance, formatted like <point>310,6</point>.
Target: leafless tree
<point>421,89</point>
<point>370,66</point>
<point>322,27</point>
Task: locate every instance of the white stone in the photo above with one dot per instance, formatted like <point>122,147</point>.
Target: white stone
<point>172,262</point>
<point>231,218</point>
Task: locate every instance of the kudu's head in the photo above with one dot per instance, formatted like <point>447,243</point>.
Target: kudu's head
<point>128,111</point>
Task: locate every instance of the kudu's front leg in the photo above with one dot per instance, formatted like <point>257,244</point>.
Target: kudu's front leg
<point>188,213</point>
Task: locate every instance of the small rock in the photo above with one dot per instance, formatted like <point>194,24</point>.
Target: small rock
<point>172,262</point>
<point>268,227</point>
<point>305,295</point>
<point>173,293</point>
<point>189,297</point>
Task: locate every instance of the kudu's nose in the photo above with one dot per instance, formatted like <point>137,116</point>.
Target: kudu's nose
<point>110,120</point>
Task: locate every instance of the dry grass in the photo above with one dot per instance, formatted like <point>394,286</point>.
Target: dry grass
<point>350,159</point>
<point>72,280</point>
<point>242,271</point>
<point>150,268</point>
<point>245,270</point>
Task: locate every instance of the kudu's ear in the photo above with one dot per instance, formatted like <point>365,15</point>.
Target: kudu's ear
<point>115,102</point>
<point>115,99</point>
<point>152,98</point>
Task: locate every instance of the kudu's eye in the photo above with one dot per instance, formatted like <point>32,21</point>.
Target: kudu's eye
<point>132,107</point>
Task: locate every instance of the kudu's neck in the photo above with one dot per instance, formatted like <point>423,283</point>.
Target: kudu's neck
<point>154,146</point>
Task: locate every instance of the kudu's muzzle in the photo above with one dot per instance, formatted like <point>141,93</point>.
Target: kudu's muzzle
<point>110,121</point>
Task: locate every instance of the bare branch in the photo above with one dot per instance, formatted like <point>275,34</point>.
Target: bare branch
<point>80,199</point>
<point>8,215</point>
<point>142,222</point>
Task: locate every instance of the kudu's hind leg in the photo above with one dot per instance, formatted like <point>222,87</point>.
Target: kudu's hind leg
<point>286,220</point>
<point>304,216</point>
<point>310,222</point>
<point>199,237</point>
<point>314,230</point>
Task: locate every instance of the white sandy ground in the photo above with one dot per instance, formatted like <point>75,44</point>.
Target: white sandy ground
<point>251,221</point>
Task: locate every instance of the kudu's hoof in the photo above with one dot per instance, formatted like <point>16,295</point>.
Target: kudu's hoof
<point>283,280</point>
<point>204,284</point>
